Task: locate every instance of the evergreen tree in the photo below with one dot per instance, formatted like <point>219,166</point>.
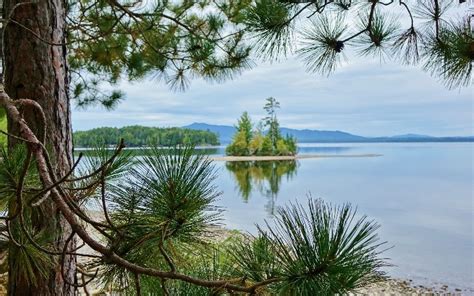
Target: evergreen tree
<point>271,122</point>
<point>239,145</point>
<point>244,125</point>
<point>256,144</point>
<point>267,147</point>
<point>291,144</point>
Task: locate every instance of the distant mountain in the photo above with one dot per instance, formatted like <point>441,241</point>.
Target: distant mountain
<point>226,133</point>
<point>307,135</point>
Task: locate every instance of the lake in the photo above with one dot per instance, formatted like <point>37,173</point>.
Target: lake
<point>420,193</point>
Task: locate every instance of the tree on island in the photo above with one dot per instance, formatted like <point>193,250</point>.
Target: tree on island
<point>271,122</point>
<point>244,126</point>
<point>247,142</point>
<point>242,138</point>
<point>55,50</point>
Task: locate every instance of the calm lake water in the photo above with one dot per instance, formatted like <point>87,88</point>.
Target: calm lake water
<point>420,193</point>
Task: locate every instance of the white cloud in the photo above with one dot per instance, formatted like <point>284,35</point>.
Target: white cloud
<point>363,97</point>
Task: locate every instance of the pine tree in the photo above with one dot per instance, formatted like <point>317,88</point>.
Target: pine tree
<point>244,125</point>
<point>271,122</point>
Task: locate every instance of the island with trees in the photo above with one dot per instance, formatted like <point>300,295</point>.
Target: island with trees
<point>143,136</point>
<point>263,140</point>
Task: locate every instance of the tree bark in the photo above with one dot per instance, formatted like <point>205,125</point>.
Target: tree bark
<point>37,70</point>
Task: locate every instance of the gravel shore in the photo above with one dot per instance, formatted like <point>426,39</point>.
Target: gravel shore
<point>389,287</point>
<point>406,287</point>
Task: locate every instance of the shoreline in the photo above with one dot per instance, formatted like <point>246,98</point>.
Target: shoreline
<point>295,157</point>
<point>397,286</point>
<point>391,286</point>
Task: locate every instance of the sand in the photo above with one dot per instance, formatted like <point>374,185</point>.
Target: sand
<point>295,157</point>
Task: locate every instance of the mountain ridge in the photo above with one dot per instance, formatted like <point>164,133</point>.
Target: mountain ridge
<point>226,132</point>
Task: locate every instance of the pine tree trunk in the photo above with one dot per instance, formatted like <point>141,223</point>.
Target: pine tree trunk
<point>37,70</point>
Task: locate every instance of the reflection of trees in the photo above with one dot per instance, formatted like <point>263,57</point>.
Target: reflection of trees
<point>207,150</point>
<point>264,176</point>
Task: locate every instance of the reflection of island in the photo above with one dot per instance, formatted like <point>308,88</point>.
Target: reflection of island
<point>264,176</point>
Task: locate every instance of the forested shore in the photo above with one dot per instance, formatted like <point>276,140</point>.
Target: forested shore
<point>141,136</point>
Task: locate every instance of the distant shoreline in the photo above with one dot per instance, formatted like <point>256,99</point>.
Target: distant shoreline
<point>295,157</point>
<point>223,145</point>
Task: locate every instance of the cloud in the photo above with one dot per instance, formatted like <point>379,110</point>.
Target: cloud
<point>363,97</point>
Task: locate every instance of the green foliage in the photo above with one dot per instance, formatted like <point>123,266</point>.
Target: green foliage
<point>256,144</point>
<point>379,40</point>
<point>255,258</point>
<point>321,45</point>
<point>142,136</point>
<point>11,167</point>
<point>168,40</point>
<point>213,261</point>
<point>26,262</point>
<point>290,143</point>
<point>266,148</point>
<point>281,147</point>
<point>246,141</point>
<point>239,145</point>
<point>97,158</point>
<point>244,125</point>
<point>267,21</point>
<point>242,138</point>
<point>316,249</point>
<point>3,127</point>
<point>434,37</point>
<point>271,122</point>
<point>164,207</point>
<point>450,56</point>
<point>174,41</point>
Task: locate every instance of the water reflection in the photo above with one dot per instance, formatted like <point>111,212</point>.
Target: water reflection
<point>208,150</point>
<point>265,177</point>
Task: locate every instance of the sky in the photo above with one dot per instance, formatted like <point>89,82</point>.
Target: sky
<point>364,97</point>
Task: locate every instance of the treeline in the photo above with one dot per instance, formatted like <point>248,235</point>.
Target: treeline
<point>140,136</point>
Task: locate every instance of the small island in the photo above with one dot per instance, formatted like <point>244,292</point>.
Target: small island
<point>264,140</point>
